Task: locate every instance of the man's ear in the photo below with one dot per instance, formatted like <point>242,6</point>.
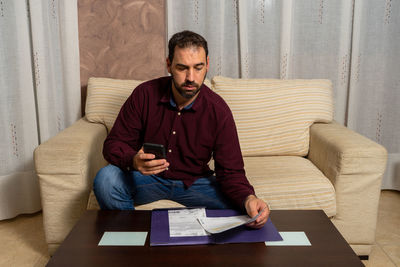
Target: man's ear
<point>208,63</point>
<point>168,65</point>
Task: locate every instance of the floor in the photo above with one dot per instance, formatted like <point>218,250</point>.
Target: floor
<point>22,238</point>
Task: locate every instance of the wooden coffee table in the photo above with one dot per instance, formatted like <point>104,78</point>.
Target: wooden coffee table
<point>80,247</point>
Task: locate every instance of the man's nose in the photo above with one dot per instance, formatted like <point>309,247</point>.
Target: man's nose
<point>190,75</point>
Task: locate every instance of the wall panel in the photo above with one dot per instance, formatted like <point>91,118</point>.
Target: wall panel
<point>123,39</point>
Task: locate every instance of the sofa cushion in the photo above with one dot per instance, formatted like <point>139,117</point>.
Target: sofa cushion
<point>160,204</point>
<point>273,116</point>
<point>106,96</point>
<point>290,182</point>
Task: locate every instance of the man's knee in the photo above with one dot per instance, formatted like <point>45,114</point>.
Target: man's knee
<point>107,178</point>
<point>113,189</point>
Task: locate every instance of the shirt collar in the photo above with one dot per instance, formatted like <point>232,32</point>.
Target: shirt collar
<point>172,102</point>
<point>169,98</point>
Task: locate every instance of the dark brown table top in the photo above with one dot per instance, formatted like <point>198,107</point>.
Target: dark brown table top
<point>80,247</point>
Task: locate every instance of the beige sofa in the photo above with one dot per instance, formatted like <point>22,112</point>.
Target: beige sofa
<point>295,156</point>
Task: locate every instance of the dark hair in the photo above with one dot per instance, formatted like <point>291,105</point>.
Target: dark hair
<point>185,39</point>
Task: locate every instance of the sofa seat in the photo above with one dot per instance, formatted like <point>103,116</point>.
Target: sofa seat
<point>290,182</point>
<point>284,182</point>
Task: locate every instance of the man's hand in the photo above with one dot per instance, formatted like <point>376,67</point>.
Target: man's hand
<point>147,165</point>
<point>253,206</point>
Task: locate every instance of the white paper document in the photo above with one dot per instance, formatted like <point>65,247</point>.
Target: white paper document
<point>194,222</point>
<point>183,222</point>
<point>215,225</point>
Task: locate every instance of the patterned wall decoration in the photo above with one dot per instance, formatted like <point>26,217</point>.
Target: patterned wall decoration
<point>123,39</point>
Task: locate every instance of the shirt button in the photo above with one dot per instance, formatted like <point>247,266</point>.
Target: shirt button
<point>166,169</point>
<point>173,132</point>
<point>179,113</point>
<point>169,150</point>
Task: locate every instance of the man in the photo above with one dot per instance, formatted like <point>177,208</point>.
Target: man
<point>193,123</point>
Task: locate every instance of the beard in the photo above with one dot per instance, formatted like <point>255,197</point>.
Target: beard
<point>186,93</point>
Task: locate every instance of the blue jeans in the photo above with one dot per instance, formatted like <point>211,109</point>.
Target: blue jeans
<point>119,190</point>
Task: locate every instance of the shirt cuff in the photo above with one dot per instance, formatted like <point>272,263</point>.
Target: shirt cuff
<point>127,161</point>
<point>240,200</point>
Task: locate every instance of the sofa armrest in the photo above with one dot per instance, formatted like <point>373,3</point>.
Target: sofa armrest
<point>355,166</point>
<point>66,166</point>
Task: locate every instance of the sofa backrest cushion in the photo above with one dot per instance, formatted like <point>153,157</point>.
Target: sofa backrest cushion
<point>106,96</point>
<point>273,117</point>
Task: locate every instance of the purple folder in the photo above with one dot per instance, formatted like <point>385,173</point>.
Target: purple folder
<point>159,234</point>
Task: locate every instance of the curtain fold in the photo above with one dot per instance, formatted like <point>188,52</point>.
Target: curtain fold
<point>353,43</point>
<point>374,95</point>
<point>54,30</point>
<point>19,192</point>
<point>40,91</point>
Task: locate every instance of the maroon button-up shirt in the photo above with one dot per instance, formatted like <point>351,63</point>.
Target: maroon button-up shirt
<point>191,136</point>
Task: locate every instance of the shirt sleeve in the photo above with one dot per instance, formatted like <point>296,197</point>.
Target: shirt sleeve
<point>229,166</point>
<point>124,139</point>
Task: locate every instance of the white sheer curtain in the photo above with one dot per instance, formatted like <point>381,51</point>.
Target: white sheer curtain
<point>374,97</point>
<point>353,43</point>
<point>40,91</point>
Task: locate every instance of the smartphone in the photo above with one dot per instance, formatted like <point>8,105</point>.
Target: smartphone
<point>156,149</point>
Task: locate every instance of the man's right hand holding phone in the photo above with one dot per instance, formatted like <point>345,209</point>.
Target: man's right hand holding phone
<point>146,163</point>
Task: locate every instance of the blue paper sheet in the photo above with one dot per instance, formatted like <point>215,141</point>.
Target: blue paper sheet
<point>123,239</point>
<point>291,239</point>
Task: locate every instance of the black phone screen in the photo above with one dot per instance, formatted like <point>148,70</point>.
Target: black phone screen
<point>156,149</point>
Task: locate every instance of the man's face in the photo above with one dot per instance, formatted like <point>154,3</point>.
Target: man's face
<point>188,69</point>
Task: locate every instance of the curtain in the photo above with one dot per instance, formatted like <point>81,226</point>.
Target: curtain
<point>353,43</point>
<point>40,91</point>
<point>374,94</point>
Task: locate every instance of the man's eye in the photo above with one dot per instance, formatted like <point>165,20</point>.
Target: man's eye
<point>199,68</point>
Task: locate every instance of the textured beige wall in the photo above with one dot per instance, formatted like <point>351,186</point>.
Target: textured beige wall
<point>122,39</point>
